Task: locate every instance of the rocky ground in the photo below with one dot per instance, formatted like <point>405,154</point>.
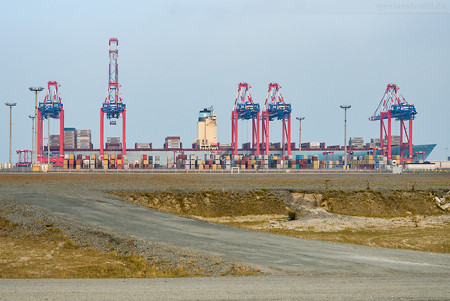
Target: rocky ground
<point>257,202</point>
<point>23,222</point>
<point>417,220</point>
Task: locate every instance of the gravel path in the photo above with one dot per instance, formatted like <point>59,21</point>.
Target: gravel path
<point>231,288</point>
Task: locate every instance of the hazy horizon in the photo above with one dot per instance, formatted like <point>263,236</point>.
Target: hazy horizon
<point>178,57</point>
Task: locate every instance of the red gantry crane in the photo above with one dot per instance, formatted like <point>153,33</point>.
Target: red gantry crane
<point>276,108</point>
<point>244,108</point>
<point>51,107</point>
<point>394,105</point>
<point>113,106</point>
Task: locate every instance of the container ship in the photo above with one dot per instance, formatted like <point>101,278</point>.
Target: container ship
<point>73,149</point>
<point>207,153</point>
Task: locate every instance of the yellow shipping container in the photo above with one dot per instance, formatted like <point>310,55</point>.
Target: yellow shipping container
<point>200,166</point>
<point>78,167</point>
<point>242,166</point>
<point>71,156</point>
<point>113,156</point>
<point>145,162</point>
<point>105,157</point>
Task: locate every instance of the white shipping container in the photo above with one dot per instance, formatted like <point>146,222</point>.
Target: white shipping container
<point>420,166</point>
<point>442,164</point>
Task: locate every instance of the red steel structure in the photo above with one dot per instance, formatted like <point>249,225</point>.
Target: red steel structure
<point>51,107</point>
<point>24,157</point>
<point>328,155</point>
<point>245,109</point>
<point>113,106</point>
<point>276,108</point>
<point>394,105</point>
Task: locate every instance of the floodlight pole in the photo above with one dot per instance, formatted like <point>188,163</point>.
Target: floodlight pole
<point>10,105</point>
<point>36,90</point>
<point>48,143</point>
<point>345,107</point>
<point>300,134</point>
<point>282,152</point>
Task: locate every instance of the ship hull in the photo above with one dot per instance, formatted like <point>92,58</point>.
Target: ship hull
<point>165,156</point>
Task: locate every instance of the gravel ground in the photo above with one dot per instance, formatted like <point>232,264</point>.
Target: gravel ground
<point>32,220</point>
<point>323,271</point>
<point>407,288</point>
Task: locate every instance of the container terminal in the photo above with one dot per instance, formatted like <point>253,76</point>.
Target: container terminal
<point>73,149</point>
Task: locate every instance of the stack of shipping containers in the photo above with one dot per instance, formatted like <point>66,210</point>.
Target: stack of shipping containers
<point>84,139</point>
<point>113,143</point>
<point>70,138</point>
<point>54,142</point>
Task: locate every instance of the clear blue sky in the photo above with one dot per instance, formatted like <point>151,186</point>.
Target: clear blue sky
<point>176,57</point>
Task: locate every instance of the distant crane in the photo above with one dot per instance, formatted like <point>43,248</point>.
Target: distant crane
<point>51,107</point>
<point>25,157</point>
<point>394,105</point>
<point>276,108</point>
<point>245,109</point>
<point>113,105</point>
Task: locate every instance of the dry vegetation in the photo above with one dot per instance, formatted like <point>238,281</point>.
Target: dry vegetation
<point>50,254</point>
<point>429,239</point>
<point>209,203</point>
<point>386,204</point>
<point>402,219</point>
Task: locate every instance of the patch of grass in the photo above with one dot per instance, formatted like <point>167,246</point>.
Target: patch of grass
<point>292,215</point>
<point>6,225</point>
<point>51,254</point>
<point>371,203</point>
<point>209,203</point>
<point>426,239</point>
